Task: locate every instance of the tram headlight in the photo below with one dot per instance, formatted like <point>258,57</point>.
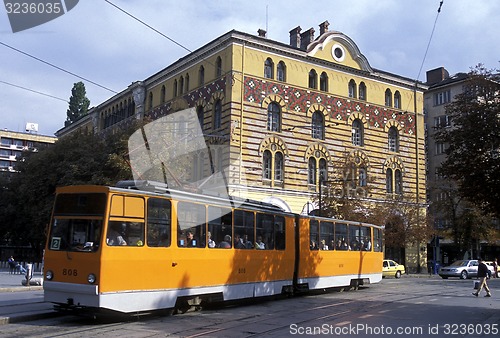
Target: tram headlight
<point>49,275</point>
<point>91,278</point>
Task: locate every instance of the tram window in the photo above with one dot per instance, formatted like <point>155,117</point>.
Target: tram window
<point>265,231</point>
<point>377,240</point>
<point>279,232</point>
<point>366,239</point>
<point>191,225</point>
<point>159,225</point>
<point>313,235</point>
<point>220,226</point>
<point>355,237</point>
<point>121,233</point>
<point>326,239</point>
<point>75,235</point>
<point>341,238</point>
<point>244,223</point>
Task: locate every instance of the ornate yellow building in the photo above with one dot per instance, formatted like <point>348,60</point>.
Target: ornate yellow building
<point>288,113</point>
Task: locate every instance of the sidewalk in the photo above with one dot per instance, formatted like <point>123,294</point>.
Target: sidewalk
<point>14,282</point>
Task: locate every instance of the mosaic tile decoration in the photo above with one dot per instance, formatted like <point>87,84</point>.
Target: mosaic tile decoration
<point>339,108</point>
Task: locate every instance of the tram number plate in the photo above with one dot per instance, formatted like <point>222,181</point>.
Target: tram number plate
<point>70,272</point>
<point>241,270</point>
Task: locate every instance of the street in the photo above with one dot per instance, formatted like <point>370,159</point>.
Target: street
<point>409,307</point>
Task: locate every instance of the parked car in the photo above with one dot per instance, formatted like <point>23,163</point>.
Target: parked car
<point>491,269</point>
<point>463,269</point>
<point>392,269</point>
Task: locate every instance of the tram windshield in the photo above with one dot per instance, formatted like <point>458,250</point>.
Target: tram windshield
<point>75,235</point>
<point>77,222</point>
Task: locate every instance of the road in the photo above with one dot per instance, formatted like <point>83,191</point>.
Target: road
<point>409,307</point>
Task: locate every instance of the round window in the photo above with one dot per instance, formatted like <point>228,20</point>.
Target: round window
<point>338,53</point>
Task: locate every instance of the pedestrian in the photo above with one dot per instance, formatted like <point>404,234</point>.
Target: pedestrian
<point>495,268</point>
<point>482,273</point>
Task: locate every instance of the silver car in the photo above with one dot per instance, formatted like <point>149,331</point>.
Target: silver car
<point>463,269</point>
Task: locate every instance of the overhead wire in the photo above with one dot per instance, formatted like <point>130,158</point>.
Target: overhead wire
<point>33,91</point>
<point>57,67</point>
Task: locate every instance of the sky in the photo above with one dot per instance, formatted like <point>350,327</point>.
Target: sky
<point>108,48</point>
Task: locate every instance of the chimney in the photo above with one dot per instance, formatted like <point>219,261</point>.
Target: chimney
<point>295,37</point>
<point>262,33</point>
<point>437,75</point>
<point>306,38</point>
<point>323,27</point>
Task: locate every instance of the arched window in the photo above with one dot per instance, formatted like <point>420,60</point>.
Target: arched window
<point>312,171</point>
<point>217,114</point>
<point>357,133</point>
<point>281,71</point>
<point>162,95</point>
<point>362,91</point>
<point>181,85</point>
<point>274,117</point>
<point>398,182</point>
<point>397,100</point>
<point>388,181</point>
<point>323,170</point>
<point>201,76</point>
<point>218,67</point>
<point>278,167</point>
<point>268,68</point>
<point>318,126</point>
<point>199,113</point>
<point>174,89</point>
<point>362,177</point>
<point>267,165</point>
<point>388,97</point>
<point>313,79</point>
<point>393,139</point>
<point>187,83</point>
<point>323,82</point>
<point>150,106</point>
<point>352,89</point>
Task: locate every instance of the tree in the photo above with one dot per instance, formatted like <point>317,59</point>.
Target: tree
<point>27,198</point>
<point>78,103</point>
<point>473,153</point>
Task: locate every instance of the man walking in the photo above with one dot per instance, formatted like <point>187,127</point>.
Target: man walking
<point>482,273</point>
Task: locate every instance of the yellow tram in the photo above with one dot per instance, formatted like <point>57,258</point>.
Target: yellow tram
<point>130,250</point>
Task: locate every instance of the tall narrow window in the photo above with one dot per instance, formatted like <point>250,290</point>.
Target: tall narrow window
<point>352,89</point>
<point>267,165</point>
<point>362,177</point>
<point>162,95</point>
<point>201,76</point>
<point>362,91</point>
<point>357,133</point>
<point>268,68</point>
<point>313,79</point>
<point>388,97</point>
<point>181,85</point>
<point>398,182</point>
<point>187,83</point>
<point>199,113</point>
<point>323,82</point>
<point>397,100</point>
<point>281,71</point>
<point>174,89</point>
<point>312,171</point>
<point>388,181</point>
<point>273,117</point>
<point>318,126</point>
<point>218,67</point>
<point>150,101</point>
<point>278,167</point>
<point>323,170</point>
<point>393,139</point>
<point>217,114</point>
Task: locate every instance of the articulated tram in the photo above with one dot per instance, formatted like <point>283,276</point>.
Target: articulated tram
<point>131,250</point>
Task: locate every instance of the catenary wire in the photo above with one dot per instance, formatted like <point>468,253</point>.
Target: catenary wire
<point>33,91</point>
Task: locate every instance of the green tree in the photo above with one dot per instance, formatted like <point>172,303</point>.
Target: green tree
<point>473,153</point>
<point>28,196</point>
<point>78,103</point>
